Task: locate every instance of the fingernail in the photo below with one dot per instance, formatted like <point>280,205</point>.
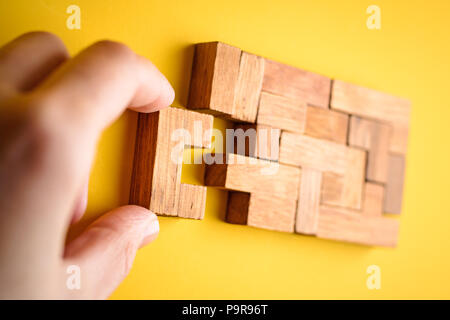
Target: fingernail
<point>152,227</point>
<point>151,231</point>
<point>171,91</point>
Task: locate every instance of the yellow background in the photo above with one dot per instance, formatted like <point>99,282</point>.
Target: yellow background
<point>409,57</point>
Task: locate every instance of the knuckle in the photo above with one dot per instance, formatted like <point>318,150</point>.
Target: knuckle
<point>115,49</point>
<point>46,38</point>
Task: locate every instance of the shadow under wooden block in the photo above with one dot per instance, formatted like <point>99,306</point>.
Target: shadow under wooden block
<point>308,87</point>
<point>374,137</point>
<point>257,141</point>
<point>160,140</point>
<point>372,104</point>
<point>344,167</point>
<point>394,184</point>
<point>246,174</point>
<point>261,211</point>
<point>345,225</point>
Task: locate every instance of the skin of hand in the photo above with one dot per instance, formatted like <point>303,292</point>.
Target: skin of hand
<point>53,109</point>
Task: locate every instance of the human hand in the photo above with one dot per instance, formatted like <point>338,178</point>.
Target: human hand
<point>52,112</point>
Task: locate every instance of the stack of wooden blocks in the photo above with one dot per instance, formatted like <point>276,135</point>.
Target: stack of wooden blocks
<point>340,150</point>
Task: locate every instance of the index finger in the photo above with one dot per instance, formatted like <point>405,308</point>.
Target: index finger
<point>99,83</point>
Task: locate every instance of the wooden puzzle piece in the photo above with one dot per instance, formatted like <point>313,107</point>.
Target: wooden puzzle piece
<point>346,225</point>
<point>248,90</point>
<point>226,81</point>
<point>246,174</point>
<point>326,124</point>
<point>280,112</point>
<point>260,141</point>
<point>261,211</point>
<point>156,178</point>
<point>308,201</point>
<point>374,137</point>
<point>368,103</point>
<point>394,184</point>
<point>346,163</point>
<point>215,72</point>
<point>300,85</point>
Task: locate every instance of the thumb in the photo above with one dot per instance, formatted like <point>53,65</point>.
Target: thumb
<point>105,252</point>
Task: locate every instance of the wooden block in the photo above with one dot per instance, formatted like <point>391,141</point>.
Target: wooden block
<point>214,78</point>
<point>261,211</point>
<point>373,199</point>
<point>394,184</point>
<point>280,112</point>
<point>248,90</point>
<point>373,104</point>
<point>326,124</point>
<point>237,207</point>
<point>260,141</point>
<point>157,152</point>
<point>309,201</point>
<point>347,164</point>
<point>305,86</point>
<point>192,201</point>
<point>246,174</point>
<point>374,137</point>
<point>344,225</point>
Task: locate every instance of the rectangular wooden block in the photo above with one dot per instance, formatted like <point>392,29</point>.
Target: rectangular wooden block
<point>214,77</point>
<point>376,105</point>
<point>374,137</point>
<point>157,152</point>
<point>373,199</point>
<point>347,165</point>
<point>248,89</point>
<point>394,185</point>
<point>301,85</point>
<point>309,201</point>
<point>344,225</point>
<point>192,201</point>
<point>280,112</point>
<point>246,174</point>
<point>326,124</point>
<point>261,211</point>
<point>260,141</point>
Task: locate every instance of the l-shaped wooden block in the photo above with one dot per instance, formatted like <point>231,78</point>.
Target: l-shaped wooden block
<point>156,178</point>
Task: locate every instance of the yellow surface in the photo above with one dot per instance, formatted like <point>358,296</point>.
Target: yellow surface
<point>409,57</point>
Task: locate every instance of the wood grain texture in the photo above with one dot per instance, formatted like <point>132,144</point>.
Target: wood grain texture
<point>248,89</point>
<point>246,174</point>
<point>394,185</point>
<point>301,85</point>
<point>373,199</point>
<point>262,142</point>
<point>309,201</point>
<point>373,104</point>
<point>214,77</point>
<point>158,152</point>
<point>260,211</point>
<point>237,207</point>
<point>280,112</point>
<point>326,124</point>
<point>192,201</point>
<point>374,137</point>
<point>347,165</point>
<point>345,225</point>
